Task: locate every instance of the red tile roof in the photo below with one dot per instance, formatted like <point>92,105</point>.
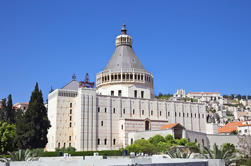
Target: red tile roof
<point>230,127</point>
<point>168,126</point>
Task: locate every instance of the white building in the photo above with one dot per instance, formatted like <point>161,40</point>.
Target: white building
<point>122,103</point>
<point>244,129</point>
<point>205,96</point>
<point>23,106</point>
<point>180,93</point>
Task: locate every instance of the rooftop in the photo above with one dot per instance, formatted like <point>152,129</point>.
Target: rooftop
<point>232,126</point>
<point>170,126</point>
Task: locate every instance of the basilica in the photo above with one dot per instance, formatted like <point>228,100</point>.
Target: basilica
<point>121,109</point>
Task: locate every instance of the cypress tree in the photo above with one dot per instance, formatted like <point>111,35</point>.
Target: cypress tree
<point>3,111</point>
<point>10,111</point>
<point>35,123</point>
<point>20,141</point>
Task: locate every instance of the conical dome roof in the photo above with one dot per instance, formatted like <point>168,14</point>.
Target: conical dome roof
<point>124,56</point>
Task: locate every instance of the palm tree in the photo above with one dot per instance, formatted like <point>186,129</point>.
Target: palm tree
<point>226,154</point>
<point>175,152</point>
<point>20,155</point>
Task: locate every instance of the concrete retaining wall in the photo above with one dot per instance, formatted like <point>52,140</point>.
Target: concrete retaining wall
<point>112,161</point>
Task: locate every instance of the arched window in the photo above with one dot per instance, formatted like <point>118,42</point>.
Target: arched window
<point>114,110</point>
<point>142,112</point>
<point>59,145</point>
<point>105,141</point>
<point>102,123</point>
<point>114,141</point>
<point>195,140</point>
<point>98,141</point>
<point>203,142</point>
<point>147,125</point>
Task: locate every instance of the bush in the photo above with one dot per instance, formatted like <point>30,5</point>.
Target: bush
<point>143,146</point>
<point>69,149</point>
<point>162,144</point>
<point>48,154</point>
<point>156,139</point>
<point>83,153</point>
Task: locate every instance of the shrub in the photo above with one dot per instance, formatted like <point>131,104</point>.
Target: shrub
<point>143,146</point>
<point>82,153</point>
<point>156,139</point>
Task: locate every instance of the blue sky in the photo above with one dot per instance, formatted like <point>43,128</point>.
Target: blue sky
<point>192,44</point>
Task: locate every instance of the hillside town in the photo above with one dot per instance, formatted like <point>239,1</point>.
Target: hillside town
<point>231,113</point>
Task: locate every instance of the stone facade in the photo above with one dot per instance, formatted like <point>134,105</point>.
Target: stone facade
<point>123,102</point>
<point>87,121</point>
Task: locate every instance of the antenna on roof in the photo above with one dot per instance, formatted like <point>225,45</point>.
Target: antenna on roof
<point>74,77</point>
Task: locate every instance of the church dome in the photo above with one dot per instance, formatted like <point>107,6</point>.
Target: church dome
<point>124,73</point>
<point>124,56</point>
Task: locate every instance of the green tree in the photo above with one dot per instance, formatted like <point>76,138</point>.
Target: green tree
<point>34,124</point>
<point>193,147</point>
<point>20,139</point>
<point>10,112</point>
<point>7,135</point>
<point>3,113</point>
<point>156,139</point>
<point>182,141</point>
<point>143,146</point>
<point>238,97</point>
<point>169,138</point>
<point>163,147</point>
